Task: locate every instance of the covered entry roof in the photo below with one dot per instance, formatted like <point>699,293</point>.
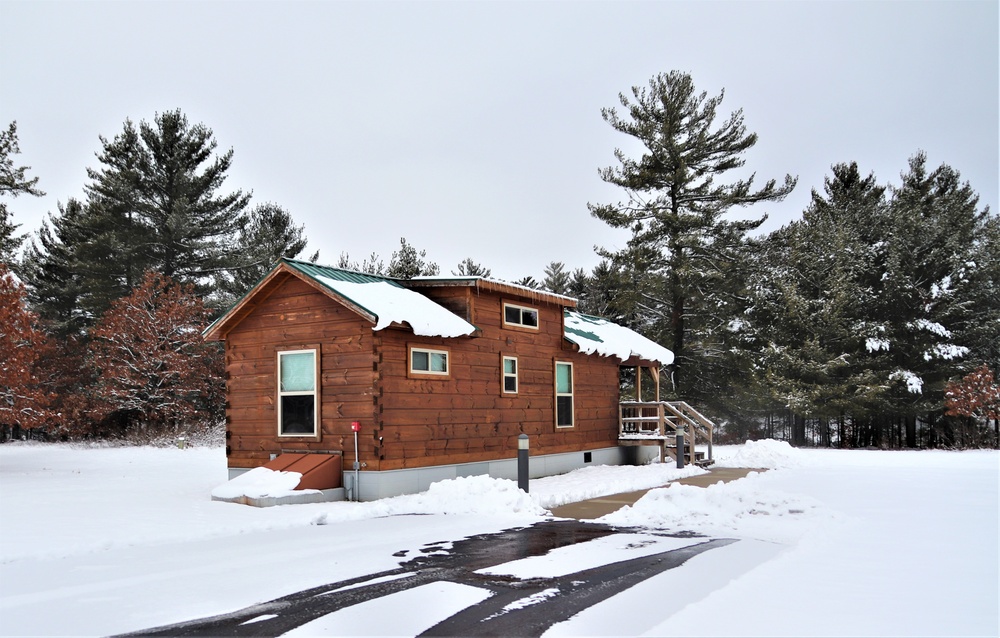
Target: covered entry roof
<point>595,335</point>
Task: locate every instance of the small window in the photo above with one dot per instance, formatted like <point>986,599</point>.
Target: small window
<point>520,316</point>
<point>426,361</point>
<point>297,393</point>
<point>509,375</point>
<point>564,394</point>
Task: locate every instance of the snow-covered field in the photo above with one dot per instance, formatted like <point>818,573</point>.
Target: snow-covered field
<point>96,541</point>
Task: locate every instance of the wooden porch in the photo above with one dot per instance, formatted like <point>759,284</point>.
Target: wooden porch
<point>657,422</point>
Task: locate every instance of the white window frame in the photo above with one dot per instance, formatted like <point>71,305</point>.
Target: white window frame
<point>522,310</point>
<point>314,393</point>
<point>429,352</point>
<point>558,394</point>
<point>504,375</point>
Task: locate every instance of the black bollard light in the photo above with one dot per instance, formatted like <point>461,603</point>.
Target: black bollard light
<point>522,462</point>
<point>680,447</point>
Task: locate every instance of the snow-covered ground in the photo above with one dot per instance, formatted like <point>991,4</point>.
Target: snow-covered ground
<point>96,541</point>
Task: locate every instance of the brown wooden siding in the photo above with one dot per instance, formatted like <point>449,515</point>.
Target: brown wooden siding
<point>466,418</point>
<point>293,316</point>
<point>420,421</point>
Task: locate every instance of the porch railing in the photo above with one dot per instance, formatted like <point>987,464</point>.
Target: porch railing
<point>656,423</point>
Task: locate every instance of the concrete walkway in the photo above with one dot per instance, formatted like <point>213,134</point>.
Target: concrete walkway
<point>598,507</point>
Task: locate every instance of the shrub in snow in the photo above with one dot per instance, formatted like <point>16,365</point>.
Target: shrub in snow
<point>155,367</point>
<point>977,395</point>
<point>23,400</point>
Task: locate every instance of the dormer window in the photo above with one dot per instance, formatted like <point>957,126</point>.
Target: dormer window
<point>520,316</point>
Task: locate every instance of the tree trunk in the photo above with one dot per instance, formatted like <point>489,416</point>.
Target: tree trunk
<point>911,432</point>
<point>799,431</point>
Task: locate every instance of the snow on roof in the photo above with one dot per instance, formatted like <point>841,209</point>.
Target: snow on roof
<point>599,336</point>
<point>391,303</point>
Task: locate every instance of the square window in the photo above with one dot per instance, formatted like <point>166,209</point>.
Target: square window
<point>426,361</point>
<point>520,316</point>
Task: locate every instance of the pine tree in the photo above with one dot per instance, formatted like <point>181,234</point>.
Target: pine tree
<point>929,280</point>
<point>865,308</point>
<point>267,233</point>
<point>13,182</point>
<point>527,282</point>
<point>56,277</point>
<point>556,278</point>
<point>372,266</point>
<point>469,268</point>
<point>157,187</point>
<point>9,242</point>
<point>676,206</point>
<point>579,281</point>
<point>407,263</point>
<point>820,342</point>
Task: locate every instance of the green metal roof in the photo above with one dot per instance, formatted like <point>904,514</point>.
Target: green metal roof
<point>337,274</point>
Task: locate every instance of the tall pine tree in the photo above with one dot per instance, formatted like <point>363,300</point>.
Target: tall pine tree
<point>13,183</point>
<point>158,188</point>
<point>676,210</point>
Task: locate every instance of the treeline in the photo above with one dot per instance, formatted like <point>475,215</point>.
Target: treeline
<point>102,316</point>
<point>874,321</point>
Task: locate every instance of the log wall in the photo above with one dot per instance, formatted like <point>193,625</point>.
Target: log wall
<point>294,315</point>
<point>466,417</point>
<point>410,421</point>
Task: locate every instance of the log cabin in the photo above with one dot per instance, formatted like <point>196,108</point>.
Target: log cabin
<point>405,382</point>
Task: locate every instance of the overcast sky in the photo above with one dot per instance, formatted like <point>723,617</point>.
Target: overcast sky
<point>474,129</point>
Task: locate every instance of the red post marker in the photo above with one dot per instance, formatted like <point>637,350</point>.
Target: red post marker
<point>355,426</point>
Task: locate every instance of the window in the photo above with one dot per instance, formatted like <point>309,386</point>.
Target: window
<point>297,393</point>
<point>564,394</point>
<point>509,375</point>
<point>431,362</point>
<point>520,316</point>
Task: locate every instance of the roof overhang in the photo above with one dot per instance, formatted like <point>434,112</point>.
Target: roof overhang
<point>491,285</point>
<point>218,330</point>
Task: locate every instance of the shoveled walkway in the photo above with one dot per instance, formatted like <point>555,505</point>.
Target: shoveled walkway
<point>598,507</point>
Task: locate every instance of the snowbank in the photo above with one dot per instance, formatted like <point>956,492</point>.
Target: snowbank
<point>463,495</point>
<point>603,480</point>
<point>740,509</point>
<point>766,454</point>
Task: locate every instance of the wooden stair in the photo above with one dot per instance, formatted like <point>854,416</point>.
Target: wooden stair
<point>657,422</point>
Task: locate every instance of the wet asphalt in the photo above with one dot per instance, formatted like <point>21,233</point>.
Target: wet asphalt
<point>559,597</point>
